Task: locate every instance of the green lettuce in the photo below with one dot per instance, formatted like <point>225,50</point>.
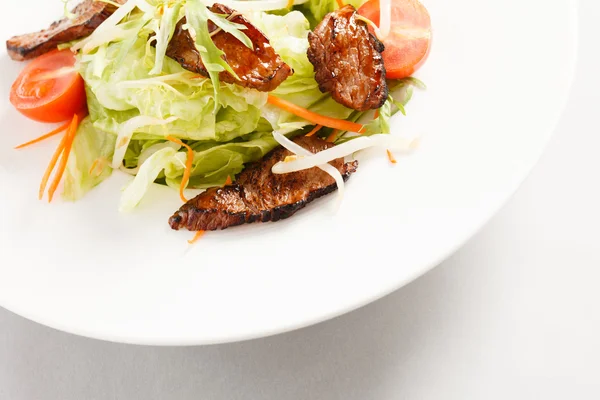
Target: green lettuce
<point>288,35</point>
<point>128,90</point>
<point>137,97</point>
<point>89,160</point>
<point>145,177</point>
<point>213,163</point>
<point>317,9</point>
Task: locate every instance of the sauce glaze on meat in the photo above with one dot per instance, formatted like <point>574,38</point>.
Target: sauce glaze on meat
<point>260,195</point>
<point>260,68</point>
<point>88,16</point>
<point>347,60</point>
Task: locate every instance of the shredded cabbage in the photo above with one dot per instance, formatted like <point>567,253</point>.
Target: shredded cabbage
<point>147,174</point>
<point>331,170</point>
<point>137,96</point>
<point>164,33</point>
<point>89,162</point>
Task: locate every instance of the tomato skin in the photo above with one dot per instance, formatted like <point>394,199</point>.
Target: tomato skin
<point>49,89</point>
<point>408,44</point>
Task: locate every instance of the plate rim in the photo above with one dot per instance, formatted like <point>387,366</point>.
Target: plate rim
<point>365,300</point>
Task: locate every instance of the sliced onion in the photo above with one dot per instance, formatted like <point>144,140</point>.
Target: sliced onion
<point>330,169</point>
<point>114,34</point>
<point>385,17</point>
<point>126,132</point>
<point>108,25</point>
<point>382,140</point>
<point>146,154</point>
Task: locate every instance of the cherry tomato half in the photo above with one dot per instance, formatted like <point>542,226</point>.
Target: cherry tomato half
<point>407,45</point>
<point>49,89</point>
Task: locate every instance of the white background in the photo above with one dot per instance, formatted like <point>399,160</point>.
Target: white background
<point>515,314</point>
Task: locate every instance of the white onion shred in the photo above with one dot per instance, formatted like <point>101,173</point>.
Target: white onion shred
<point>342,150</point>
<point>101,35</point>
<point>146,154</point>
<point>301,151</point>
<point>108,36</point>
<point>126,132</point>
<point>385,17</point>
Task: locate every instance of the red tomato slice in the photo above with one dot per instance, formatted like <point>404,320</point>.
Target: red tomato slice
<point>49,89</point>
<point>407,45</point>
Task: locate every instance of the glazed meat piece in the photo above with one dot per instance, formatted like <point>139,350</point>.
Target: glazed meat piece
<point>260,195</point>
<point>88,15</point>
<point>347,60</point>
<point>259,68</point>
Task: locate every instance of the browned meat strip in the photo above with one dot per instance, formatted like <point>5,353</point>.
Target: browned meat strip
<point>88,15</point>
<point>347,60</point>
<point>260,195</point>
<point>259,68</point>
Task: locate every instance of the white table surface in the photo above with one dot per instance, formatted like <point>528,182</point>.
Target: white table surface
<point>515,314</point>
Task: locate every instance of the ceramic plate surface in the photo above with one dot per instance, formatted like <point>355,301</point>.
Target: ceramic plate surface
<point>498,78</point>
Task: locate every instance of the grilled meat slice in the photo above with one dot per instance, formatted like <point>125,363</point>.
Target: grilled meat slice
<point>260,195</point>
<point>260,68</point>
<point>347,60</point>
<point>88,16</point>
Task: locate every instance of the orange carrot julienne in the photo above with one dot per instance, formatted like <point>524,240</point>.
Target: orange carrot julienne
<point>376,115</point>
<point>94,165</point>
<point>228,181</point>
<point>46,136</point>
<point>316,129</point>
<point>331,138</point>
<point>51,165</point>
<point>98,166</point>
<point>313,117</point>
<point>340,3</point>
<point>197,237</point>
<point>189,162</point>
<point>70,136</point>
<point>391,157</point>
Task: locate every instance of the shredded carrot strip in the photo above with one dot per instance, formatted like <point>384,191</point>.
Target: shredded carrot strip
<point>391,157</point>
<point>331,138</point>
<point>228,181</point>
<point>316,129</point>
<point>340,3</point>
<point>197,237</point>
<point>376,115</point>
<point>93,167</point>
<point>188,166</point>
<point>70,135</point>
<point>98,166</point>
<point>314,117</point>
<point>46,136</point>
<point>51,165</point>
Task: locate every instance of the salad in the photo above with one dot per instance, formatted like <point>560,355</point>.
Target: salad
<point>194,94</point>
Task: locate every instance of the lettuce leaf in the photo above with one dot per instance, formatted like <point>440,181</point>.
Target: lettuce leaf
<point>288,35</point>
<point>226,125</point>
<point>89,160</point>
<point>317,9</point>
<point>214,162</point>
<point>164,33</point>
<point>127,90</point>
<point>145,177</point>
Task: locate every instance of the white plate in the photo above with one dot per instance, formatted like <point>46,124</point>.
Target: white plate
<point>498,77</point>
